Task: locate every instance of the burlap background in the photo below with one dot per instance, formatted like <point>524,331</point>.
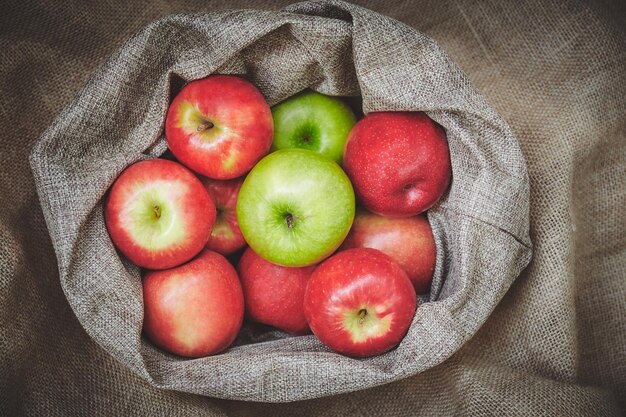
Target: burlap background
<point>556,343</point>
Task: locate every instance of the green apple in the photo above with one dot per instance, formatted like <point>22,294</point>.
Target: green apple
<point>295,207</point>
<point>314,121</point>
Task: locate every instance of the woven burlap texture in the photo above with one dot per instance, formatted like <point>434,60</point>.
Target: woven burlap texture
<point>554,346</point>
<point>481,226</point>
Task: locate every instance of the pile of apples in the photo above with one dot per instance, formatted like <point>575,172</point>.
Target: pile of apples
<point>281,185</point>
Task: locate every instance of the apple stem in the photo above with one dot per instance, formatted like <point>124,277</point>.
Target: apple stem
<point>205,126</point>
<point>289,220</point>
<point>157,212</point>
<point>362,314</point>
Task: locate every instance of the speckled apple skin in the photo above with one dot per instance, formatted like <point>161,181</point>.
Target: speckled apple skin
<point>196,309</point>
<point>274,294</point>
<point>398,162</point>
<point>242,132</point>
<point>408,241</point>
<point>226,237</point>
<point>188,214</point>
<point>352,280</point>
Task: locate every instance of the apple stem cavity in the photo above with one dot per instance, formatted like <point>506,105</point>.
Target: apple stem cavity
<point>205,126</point>
<point>157,212</point>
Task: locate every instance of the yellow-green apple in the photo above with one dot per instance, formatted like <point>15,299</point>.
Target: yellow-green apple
<point>226,237</point>
<point>295,207</point>
<point>158,214</point>
<point>399,162</point>
<point>219,126</point>
<point>359,302</point>
<point>193,310</point>
<point>274,294</point>
<point>408,241</point>
<point>314,121</point>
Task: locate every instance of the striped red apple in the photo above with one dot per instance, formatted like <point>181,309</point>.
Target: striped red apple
<point>274,294</point>
<point>219,126</point>
<point>195,309</point>
<point>158,214</point>
<point>398,162</point>
<point>359,302</point>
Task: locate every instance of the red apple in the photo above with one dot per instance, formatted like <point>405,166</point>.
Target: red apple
<point>408,241</point>
<point>359,302</point>
<point>274,294</point>
<point>226,237</point>
<point>195,309</point>
<point>158,214</point>
<point>219,126</point>
<point>399,162</point>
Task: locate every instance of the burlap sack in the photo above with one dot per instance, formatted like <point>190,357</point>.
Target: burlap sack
<point>481,226</point>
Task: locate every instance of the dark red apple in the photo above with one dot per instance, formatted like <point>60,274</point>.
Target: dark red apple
<point>193,310</point>
<point>408,241</point>
<point>219,126</point>
<point>398,162</point>
<point>359,302</point>
<point>274,294</point>
<point>226,238</point>
<point>158,214</point>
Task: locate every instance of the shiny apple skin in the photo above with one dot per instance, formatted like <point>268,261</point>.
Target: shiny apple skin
<point>180,229</point>
<point>226,237</point>
<point>352,281</point>
<point>398,162</point>
<point>219,126</point>
<point>274,294</point>
<point>196,309</point>
<point>409,241</point>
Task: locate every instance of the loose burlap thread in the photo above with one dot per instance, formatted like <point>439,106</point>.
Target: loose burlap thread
<point>481,226</point>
